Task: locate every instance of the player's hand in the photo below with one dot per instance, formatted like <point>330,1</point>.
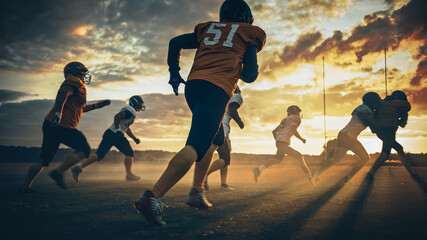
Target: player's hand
<point>102,103</point>
<point>56,119</point>
<point>174,80</point>
<point>241,125</point>
<point>304,140</point>
<point>402,123</point>
<point>137,141</point>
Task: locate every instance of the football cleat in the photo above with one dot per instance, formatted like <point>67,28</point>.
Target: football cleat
<point>151,208</point>
<point>197,200</point>
<point>59,179</point>
<point>132,177</point>
<point>225,188</point>
<point>76,172</point>
<point>257,172</point>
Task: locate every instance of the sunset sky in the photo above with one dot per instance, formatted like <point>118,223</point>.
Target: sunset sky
<point>124,44</point>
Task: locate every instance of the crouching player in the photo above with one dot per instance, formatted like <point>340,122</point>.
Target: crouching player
<point>362,117</point>
<point>114,136</point>
<point>226,50</point>
<point>61,122</point>
<point>282,134</point>
<point>225,149</point>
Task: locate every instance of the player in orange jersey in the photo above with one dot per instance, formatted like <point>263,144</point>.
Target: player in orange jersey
<point>61,122</point>
<point>226,51</point>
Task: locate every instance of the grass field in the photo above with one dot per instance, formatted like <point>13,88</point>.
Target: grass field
<point>283,205</point>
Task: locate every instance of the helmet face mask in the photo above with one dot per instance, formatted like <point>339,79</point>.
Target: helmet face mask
<point>235,11</point>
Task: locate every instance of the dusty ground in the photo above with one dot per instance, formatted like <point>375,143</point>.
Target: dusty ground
<point>283,205</point>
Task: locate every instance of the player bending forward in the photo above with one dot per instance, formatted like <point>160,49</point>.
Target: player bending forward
<point>225,149</point>
<point>226,50</point>
<point>282,134</point>
<point>362,117</point>
<point>61,122</point>
<point>114,136</point>
<point>392,112</point>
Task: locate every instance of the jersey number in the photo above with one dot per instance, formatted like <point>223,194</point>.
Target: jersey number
<point>217,32</point>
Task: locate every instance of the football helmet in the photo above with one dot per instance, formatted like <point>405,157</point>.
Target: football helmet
<point>235,11</point>
<point>398,94</point>
<point>371,99</point>
<point>137,103</point>
<point>79,70</point>
<point>294,110</point>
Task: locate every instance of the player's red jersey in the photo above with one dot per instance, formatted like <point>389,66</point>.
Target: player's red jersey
<point>73,107</point>
<point>222,46</point>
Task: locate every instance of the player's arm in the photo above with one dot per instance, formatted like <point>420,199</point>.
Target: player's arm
<point>403,119</point>
<point>367,119</point>
<point>275,132</point>
<point>61,97</point>
<point>250,65</point>
<point>232,107</point>
<point>99,104</point>
<point>296,134</point>
<point>176,44</point>
<point>118,117</point>
<point>130,134</point>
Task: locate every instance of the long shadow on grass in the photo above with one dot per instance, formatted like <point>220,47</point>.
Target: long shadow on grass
<point>344,227</point>
<point>286,229</point>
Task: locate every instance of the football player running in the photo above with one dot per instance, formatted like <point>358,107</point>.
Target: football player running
<point>362,117</point>
<point>225,149</point>
<point>391,113</point>
<point>282,134</point>
<point>61,122</point>
<point>114,136</point>
<point>226,51</point>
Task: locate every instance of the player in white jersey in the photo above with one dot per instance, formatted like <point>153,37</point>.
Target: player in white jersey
<point>114,136</point>
<point>225,149</point>
<point>282,134</point>
<point>362,117</point>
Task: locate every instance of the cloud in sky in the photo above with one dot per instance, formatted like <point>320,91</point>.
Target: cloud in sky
<point>10,95</point>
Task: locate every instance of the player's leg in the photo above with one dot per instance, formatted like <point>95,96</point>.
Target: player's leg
<point>226,155</point>
<point>388,140</point>
<point>404,158</point>
<point>358,149</point>
<point>50,146</point>
<point>204,100</point>
<point>103,148</point>
<point>280,154</point>
<point>298,156</point>
<point>75,139</point>
<point>123,145</point>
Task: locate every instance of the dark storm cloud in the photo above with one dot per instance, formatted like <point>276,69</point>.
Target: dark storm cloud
<point>165,116</point>
<point>10,95</point>
<point>378,30</point>
<point>420,74</point>
<point>38,34</point>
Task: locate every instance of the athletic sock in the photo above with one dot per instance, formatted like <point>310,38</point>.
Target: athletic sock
<point>201,168</point>
<point>178,166</point>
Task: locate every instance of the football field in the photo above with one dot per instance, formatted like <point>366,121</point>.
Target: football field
<point>282,205</point>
